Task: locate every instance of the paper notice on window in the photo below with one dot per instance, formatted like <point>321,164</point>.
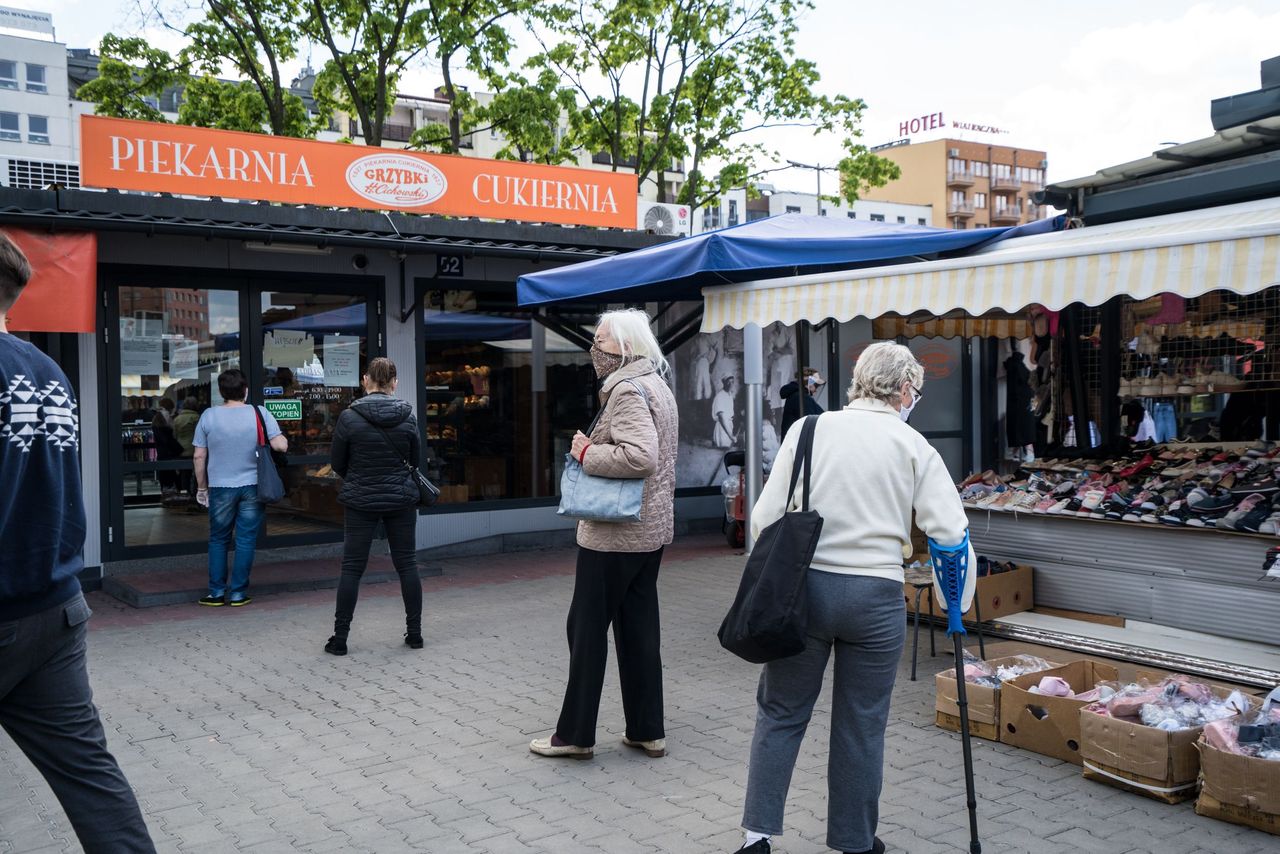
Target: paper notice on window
<point>342,360</point>
<point>287,348</point>
<point>143,356</point>
<point>184,363</point>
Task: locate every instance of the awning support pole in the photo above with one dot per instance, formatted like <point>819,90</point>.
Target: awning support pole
<point>753,379</point>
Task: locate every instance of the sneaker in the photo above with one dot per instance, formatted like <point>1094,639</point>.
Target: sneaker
<point>1232,519</point>
<point>1271,525</point>
<point>1252,522</point>
<point>336,646</point>
<point>1261,449</point>
<point>1212,503</point>
<point>1117,505</point>
<point>546,747</point>
<point>1091,501</point>
<point>1061,507</point>
<point>236,601</point>
<point>655,749</point>
<point>1043,505</point>
<point>760,846</point>
<point>213,601</point>
<point>1176,515</point>
<point>413,641</point>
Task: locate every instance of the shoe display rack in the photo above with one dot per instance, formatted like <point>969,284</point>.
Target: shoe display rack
<point>1176,535</point>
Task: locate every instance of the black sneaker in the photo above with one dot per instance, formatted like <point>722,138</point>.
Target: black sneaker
<point>237,601</point>
<point>760,846</point>
<point>1215,502</point>
<point>336,646</point>
<point>1253,520</point>
<point>1116,506</point>
<point>413,641</point>
<point>1176,515</point>
<point>877,847</point>
<point>213,601</point>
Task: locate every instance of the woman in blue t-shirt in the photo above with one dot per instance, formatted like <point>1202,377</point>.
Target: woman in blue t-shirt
<point>226,465</point>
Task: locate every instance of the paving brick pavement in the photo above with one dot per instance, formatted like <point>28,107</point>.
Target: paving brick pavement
<point>239,735</point>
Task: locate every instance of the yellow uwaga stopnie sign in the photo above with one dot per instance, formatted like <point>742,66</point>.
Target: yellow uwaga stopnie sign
<point>284,410</point>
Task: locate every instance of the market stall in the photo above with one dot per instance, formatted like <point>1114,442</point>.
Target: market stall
<point>1167,320</point>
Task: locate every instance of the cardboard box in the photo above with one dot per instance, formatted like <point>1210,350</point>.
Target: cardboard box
<point>997,595</point>
<point>984,704</point>
<point>1142,759</point>
<point>1239,789</point>
<point>1049,725</point>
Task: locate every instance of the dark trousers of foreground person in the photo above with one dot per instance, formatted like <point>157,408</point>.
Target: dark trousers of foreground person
<point>360,526</point>
<point>618,588</point>
<point>47,708</point>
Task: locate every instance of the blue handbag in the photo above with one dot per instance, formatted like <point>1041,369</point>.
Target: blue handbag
<point>600,499</point>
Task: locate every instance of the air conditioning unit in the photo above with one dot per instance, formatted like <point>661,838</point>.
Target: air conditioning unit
<point>662,218</point>
<point>953,152</point>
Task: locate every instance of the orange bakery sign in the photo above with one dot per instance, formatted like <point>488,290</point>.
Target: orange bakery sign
<point>123,154</point>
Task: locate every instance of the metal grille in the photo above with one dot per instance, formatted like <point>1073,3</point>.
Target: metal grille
<point>38,174</point>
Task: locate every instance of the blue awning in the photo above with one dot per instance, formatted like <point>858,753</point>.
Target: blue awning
<point>466,326</point>
<point>786,245</point>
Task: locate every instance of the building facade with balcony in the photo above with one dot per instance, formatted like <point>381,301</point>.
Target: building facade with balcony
<point>735,208</point>
<point>966,184</point>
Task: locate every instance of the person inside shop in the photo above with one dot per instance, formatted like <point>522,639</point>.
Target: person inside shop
<point>167,448</point>
<point>374,443</point>
<point>617,572</point>
<point>46,703</point>
<point>226,466</point>
<point>870,471</point>
<point>792,400</point>
<point>184,431</point>
<point>722,412</point>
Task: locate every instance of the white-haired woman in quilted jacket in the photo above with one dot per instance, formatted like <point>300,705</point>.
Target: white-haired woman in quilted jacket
<point>617,574</point>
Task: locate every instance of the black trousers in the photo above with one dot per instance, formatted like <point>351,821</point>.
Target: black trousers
<point>360,526</point>
<point>618,588</point>
<point>46,706</point>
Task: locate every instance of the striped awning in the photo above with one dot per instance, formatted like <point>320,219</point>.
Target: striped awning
<point>1235,248</point>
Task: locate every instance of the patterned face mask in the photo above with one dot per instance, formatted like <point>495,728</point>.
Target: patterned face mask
<point>605,363</point>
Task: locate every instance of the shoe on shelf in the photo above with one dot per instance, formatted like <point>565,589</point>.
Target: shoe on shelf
<point>548,747</point>
<point>336,646</point>
<point>1212,503</point>
<point>1061,507</point>
<point>655,749</point>
<point>1232,519</point>
<point>213,601</point>
<point>1091,501</point>
<point>1043,505</point>
<point>1176,515</point>
<point>1252,523</point>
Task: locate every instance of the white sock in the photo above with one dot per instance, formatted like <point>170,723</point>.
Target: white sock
<point>752,837</point>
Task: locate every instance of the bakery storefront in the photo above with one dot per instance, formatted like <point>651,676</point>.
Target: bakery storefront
<point>144,296</point>
<point>1128,406</point>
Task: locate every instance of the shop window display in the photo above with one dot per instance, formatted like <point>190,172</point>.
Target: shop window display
<point>499,410</point>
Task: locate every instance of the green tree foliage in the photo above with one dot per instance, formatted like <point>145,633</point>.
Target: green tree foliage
<point>370,42</point>
<point>256,37</point>
<point>531,115</point>
<point>860,170</point>
<point>211,103</point>
<point>130,70</point>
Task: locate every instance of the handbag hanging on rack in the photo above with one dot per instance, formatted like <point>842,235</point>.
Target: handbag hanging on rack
<point>769,618</point>
<point>270,461</point>
<point>428,492</point>
<point>593,498</point>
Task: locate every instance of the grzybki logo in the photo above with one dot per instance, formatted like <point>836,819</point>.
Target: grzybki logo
<point>396,180</point>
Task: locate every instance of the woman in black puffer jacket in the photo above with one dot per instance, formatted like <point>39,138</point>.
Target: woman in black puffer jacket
<point>372,443</point>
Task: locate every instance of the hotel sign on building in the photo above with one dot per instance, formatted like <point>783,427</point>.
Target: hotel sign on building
<point>938,121</point>
<point>124,154</point>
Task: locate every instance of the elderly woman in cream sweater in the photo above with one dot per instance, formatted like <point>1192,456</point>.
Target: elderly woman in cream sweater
<point>870,472</point>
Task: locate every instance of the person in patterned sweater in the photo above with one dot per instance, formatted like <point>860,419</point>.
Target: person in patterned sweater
<point>46,704</point>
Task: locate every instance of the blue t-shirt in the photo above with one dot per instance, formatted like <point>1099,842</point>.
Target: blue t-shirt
<point>230,433</point>
<point>41,503</point>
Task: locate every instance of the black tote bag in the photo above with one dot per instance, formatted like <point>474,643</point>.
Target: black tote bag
<point>770,616</point>
<point>270,485</point>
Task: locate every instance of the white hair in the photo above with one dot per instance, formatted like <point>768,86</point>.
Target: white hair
<point>630,328</point>
<point>882,370</point>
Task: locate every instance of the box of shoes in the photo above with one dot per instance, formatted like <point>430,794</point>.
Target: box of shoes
<point>996,595</point>
<point>1126,753</point>
<point>1239,789</point>
<point>1047,724</point>
<point>984,703</point>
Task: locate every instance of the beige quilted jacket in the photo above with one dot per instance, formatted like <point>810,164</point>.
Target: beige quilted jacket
<point>632,440</point>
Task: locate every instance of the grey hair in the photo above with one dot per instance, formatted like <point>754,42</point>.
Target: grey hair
<point>882,370</point>
<point>630,328</point>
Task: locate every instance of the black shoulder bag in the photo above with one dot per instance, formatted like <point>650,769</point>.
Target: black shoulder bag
<point>770,616</point>
<point>428,492</point>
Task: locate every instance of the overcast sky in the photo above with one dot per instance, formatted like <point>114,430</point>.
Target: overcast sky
<point>1093,82</point>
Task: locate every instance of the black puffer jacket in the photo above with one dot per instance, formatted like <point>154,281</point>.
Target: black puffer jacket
<point>374,476</point>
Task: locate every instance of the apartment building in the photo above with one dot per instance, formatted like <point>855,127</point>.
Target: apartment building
<point>967,184</point>
<point>735,207</point>
<point>37,130</point>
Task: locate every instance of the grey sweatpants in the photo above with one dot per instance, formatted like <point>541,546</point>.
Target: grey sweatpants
<point>863,619</point>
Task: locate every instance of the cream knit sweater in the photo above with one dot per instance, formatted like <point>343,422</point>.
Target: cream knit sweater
<point>870,470</point>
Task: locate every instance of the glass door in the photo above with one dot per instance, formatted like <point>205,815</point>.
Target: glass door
<point>165,352</point>
<point>314,346</point>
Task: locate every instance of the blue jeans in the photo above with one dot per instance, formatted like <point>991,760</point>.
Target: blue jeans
<point>1166,422</point>
<point>238,508</point>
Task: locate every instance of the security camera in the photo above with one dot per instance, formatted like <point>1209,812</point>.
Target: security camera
<point>360,261</point>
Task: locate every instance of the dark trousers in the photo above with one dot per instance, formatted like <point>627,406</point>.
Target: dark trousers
<point>618,588</point>
<point>47,708</point>
<point>360,526</point>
